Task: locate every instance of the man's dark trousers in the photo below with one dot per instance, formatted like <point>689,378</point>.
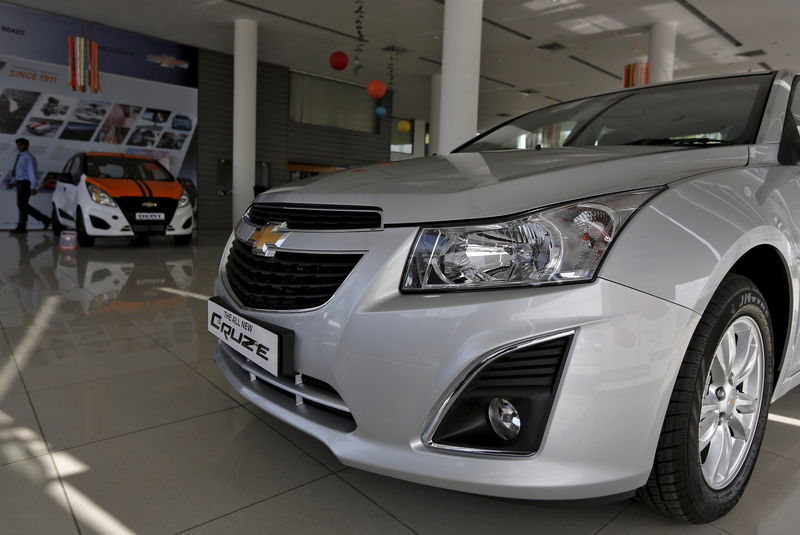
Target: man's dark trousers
<point>25,210</point>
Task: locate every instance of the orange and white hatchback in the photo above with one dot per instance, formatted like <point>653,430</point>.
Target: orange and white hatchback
<point>114,194</point>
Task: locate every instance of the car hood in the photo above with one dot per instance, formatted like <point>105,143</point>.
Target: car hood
<point>477,185</point>
<point>129,187</point>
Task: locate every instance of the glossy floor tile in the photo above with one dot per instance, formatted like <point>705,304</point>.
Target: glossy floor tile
<point>20,436</point>
<point>85,412</point>
<point>174,477</point>
<point>33,500</point>
<point>338,509</point>
<point>106,373</point>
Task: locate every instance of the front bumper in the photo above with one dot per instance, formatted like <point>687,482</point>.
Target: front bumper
<point>118,225</point>
<point>395,358</point>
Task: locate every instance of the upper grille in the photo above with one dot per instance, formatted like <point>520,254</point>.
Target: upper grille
<point>286,281</point>
<point>314,217</point>
<point>536,365</point>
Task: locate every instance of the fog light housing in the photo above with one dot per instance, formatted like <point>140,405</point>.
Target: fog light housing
<point>504,418</point>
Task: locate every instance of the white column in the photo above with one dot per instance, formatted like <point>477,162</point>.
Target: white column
<point>245,68</point>
<point>661,53</point>
<point>436,96</point>
<point>419,138</point>
<point>461,67</point>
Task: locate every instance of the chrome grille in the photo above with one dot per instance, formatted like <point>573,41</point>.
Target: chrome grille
<point>314,217</point>
<point>286,281</point>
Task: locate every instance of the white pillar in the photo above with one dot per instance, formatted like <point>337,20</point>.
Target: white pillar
<point>419,138</point>
<point>245,68</point>
<point>661,53</point>
<point>436,96</point>
<point>461,68</point>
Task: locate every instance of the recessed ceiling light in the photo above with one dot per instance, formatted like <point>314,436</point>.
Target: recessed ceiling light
<point>551,47</point>
<point>752,53</point>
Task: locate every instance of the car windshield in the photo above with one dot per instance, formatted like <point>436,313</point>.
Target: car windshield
<point>702,113</point>
<point>117,167</point>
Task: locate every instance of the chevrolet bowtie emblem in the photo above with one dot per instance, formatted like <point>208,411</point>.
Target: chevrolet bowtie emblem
<point>149,204</point>
<point>266,239</point>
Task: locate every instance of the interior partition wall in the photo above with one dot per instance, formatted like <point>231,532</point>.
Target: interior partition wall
<point>279,140</point>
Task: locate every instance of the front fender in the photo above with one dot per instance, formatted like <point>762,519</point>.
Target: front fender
<point>681,245</point>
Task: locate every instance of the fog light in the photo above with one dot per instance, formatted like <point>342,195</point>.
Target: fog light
<point>504,418</point>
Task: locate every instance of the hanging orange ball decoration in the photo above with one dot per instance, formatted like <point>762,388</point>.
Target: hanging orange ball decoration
<point>339,61</point>
<point>376,89</point>
<point>403,126</point>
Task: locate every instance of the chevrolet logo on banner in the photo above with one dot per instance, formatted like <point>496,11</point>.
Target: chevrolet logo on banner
<point>266,240</point>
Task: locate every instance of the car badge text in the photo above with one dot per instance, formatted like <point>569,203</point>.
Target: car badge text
<point>265,240</point>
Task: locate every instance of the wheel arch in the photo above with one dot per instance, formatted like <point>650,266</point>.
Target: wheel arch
<point>769,271</point>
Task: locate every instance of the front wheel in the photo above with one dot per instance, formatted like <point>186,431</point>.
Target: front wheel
<point>84,239</point>
<point>57,226</point>
<point>716,417</point>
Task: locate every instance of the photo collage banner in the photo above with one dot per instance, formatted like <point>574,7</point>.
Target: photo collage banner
<point>127,114</point>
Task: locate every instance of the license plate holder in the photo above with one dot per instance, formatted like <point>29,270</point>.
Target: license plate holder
<point>269,346</point>
<point>150,216</point>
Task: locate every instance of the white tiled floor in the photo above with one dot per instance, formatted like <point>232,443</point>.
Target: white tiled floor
<point>114,419</point>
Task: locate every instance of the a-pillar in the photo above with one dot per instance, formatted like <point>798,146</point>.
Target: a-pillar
<point>245,69</point>
<point>661,53</point>
<point>461,67</point>
<point>436,96</point>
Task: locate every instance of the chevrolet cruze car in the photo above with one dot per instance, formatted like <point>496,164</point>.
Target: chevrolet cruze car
<point>593,299</point>
<point>102,194</point>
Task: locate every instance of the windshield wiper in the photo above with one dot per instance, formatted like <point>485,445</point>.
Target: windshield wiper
<point>681,141</point>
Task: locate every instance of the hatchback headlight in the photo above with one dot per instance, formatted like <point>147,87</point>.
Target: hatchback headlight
<point>99,196</point>
<point>183,201</point>
<point>551,246</point>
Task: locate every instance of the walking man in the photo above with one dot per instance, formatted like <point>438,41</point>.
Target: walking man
<point>23,177</point>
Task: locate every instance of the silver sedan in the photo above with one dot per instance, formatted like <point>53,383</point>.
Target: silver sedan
<point>593,299</point>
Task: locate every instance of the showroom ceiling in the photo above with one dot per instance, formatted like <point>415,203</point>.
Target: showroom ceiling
<point>598,38</point>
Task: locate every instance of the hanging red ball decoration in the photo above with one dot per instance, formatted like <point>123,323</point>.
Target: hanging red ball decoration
<point>339,61</point>
<point>376,89</point>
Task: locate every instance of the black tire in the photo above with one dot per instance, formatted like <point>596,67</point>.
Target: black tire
<point>676,486</point>
<point>57,226</point>
<point>84,239</point>
<point>182,239</point>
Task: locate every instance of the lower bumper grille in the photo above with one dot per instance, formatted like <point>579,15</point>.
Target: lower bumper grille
<point>312,398</point>
<point>286,281</point>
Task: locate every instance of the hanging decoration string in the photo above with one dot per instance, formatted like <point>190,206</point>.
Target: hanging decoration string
<point>359,23</point>
<point>392,59</point>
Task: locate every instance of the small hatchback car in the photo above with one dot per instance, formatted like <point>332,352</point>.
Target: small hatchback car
<point>595,298</point>
<point>111,194</point>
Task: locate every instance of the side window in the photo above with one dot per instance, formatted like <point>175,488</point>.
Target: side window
<point>789,150</point>
<point>77,169</point>
<point>67,165</point>
<point>794,105</point>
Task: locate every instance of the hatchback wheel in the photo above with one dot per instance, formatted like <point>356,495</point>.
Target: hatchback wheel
<point>718,410</point>
<point>84,239</point>
<point>57,226</point>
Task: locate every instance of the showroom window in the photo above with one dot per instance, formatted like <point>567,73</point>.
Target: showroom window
<point>402,142</point>
<point>324,102</point>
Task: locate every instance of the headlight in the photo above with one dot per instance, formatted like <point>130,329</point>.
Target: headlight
<point>99,196</point>
<point>183,201</point>
<point>551,246</point>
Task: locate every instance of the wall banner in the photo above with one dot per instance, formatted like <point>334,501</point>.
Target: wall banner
<point>75,104</point>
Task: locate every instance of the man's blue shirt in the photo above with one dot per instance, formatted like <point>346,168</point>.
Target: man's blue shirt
<point>24,170</point>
